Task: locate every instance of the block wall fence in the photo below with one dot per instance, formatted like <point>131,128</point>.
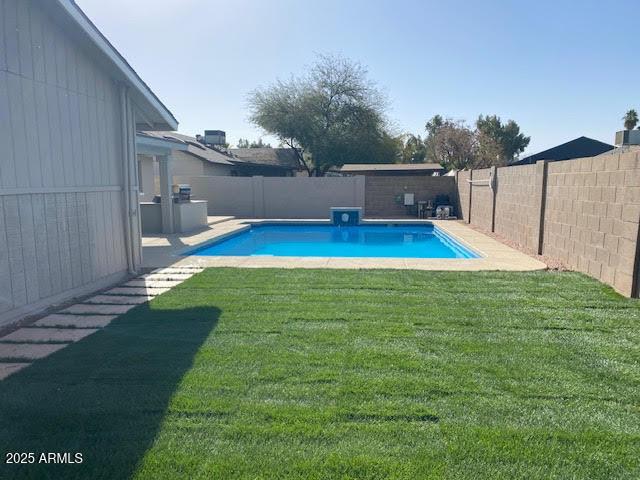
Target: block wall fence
<point>583,212</point>
<point>276,197</point>
<point>304,197</point>
<point>381,192</point>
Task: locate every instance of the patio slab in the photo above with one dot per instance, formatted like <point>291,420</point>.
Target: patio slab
<point>120,299</point>
<point>151,291</point>
<point>44,335</point>
<point>29,351</point>
<point>75,321</point>
<point>7,369</point>
<point>81,308</point>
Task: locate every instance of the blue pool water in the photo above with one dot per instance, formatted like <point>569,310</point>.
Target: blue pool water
<point>400,241</point>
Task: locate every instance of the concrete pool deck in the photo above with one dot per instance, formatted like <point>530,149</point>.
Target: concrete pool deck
<point>168,250</point>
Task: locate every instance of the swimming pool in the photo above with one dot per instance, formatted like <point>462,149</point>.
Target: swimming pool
<point>391,241</point>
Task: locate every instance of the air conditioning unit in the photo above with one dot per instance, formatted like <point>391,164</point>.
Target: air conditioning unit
<point>627,137</point>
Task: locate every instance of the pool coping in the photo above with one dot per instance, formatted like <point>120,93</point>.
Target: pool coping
<point>169,250</point>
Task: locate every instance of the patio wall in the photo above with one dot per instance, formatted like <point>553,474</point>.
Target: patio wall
<point>583,212</point>
<point>276,197</point>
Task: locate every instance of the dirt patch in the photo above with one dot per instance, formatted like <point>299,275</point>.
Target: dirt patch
<point>552,263</point>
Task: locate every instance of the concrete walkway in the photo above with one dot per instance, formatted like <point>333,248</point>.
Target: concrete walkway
<point>20,348</point>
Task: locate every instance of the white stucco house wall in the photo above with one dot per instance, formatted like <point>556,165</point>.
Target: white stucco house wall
<point>70,106</point>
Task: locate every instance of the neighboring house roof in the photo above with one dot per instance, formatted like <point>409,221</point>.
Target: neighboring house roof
<point>388,167</point>
<point>577,148</point>
<point>194,147</point>
<point>156,115</point>
<point>267,156</point>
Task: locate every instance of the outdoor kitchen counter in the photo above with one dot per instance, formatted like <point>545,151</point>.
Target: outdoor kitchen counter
<point>190,215</point>
<point>187,216</point>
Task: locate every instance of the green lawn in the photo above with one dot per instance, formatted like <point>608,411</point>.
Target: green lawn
<point>344,374</point>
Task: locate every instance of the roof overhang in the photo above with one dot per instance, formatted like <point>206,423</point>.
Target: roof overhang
<point>151,113</point>
<point>147,145</point>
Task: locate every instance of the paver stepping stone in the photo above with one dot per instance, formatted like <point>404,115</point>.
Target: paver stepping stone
<point>178,270</point>
<point>166,276</point>
<point>136,291</point>
<point>120,299</point>
<point>29,351</point>
<point>48,334</point>
<point>84,308</point>
<point>153,283</point>
<point>77,321</point>
<point>7,369</point>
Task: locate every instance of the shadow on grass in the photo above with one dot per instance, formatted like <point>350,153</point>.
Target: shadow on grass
<point>104,397</point>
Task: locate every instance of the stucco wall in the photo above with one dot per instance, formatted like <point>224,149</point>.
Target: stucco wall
<point>147,173</point>
<point>381,192</point>
<point>183,164</point>
<point>215,169</point>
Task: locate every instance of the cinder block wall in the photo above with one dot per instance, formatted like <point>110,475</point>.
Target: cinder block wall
<point>517,205</point>
<point>381,193</point>
<point>481,199</point>
<point>592,216</point>
<point>583,212</point>
<point>463,188</point>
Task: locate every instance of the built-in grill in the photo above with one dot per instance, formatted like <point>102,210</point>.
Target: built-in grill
<point>182,193</point>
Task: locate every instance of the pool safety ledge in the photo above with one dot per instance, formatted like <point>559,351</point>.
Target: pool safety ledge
<point>170,250</point>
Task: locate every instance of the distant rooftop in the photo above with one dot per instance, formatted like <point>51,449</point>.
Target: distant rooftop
<point>267,156</point>
<point>577,148</point>
<point>193,147</point>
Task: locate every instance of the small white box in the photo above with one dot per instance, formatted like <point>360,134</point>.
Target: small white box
<point>408,199</point>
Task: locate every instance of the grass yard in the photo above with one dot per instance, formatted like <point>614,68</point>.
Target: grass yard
<point>344,374</point>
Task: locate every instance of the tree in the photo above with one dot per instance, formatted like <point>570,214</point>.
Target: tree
<point>450,143</point>
<point>413,149</point>
<point>432,127</point>
<point>332,115</point>
<point>498,143</point>
<point>630,119</point>
<point>244,143</point>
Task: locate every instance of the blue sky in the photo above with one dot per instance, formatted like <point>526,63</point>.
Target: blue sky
<point>560,69</point>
